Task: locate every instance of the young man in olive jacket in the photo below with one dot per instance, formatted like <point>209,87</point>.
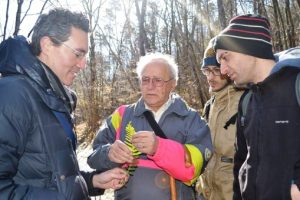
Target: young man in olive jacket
<point>220,111</point>
<point>267,161</point>
<point>37,142</point>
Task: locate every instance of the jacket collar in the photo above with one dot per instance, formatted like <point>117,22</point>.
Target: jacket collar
<point>224,94</point>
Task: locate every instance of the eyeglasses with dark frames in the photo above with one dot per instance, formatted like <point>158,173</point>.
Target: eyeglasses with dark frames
<point>215,71</point>
<point>78,54</point>
<point>157,82</point>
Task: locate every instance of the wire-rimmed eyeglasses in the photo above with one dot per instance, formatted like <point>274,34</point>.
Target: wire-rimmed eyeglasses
<point>77,53</point>
<point>215,71</point>
<point>157,82</point>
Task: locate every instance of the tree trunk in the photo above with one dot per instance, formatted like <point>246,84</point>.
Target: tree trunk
<point>6,20</point>
<point>142,33</point>
<point>298,1</point>
<point>18,17</point>
<point>209,23</point>
<point>41,11</point>
<point>279,45</point>
<point>221,13</point>
<point>290,24</point>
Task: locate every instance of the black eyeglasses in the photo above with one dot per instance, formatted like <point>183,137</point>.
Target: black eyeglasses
<point>157,82</point>
<point>78,54</point>
<point>215,71</point>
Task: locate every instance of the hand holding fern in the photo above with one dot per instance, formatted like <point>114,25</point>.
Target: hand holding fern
<point>114,178</point>
<point>145,141</point>
<point>120,153</point>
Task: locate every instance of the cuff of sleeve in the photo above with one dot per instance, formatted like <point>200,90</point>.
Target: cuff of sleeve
<point>296,182</point>
<point>158,152</point>
<point>89,180</point>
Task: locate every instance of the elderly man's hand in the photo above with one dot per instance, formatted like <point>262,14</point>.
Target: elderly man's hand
<point>120,153</point>
<point>145,141</point>
<point>295,193</point>
<point>114,178</point>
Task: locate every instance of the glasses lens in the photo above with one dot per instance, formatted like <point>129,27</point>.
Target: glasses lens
<point>145,80</point>
<point>158,82</point>
<point>215,71</point>
<point>77,53</point>
<point>205,71</point>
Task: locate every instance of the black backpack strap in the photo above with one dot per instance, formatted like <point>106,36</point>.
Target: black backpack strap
<point>244,106</point>
<point>232,120</point>
<point>245,102</point>
<point>156,128</point>
<point>207,108</point>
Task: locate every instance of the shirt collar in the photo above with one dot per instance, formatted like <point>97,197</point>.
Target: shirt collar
<point>161,110</point>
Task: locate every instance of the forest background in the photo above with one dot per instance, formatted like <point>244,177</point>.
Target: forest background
<point>124,30</point>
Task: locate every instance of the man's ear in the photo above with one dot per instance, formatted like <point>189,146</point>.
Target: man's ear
<point>46,45</point>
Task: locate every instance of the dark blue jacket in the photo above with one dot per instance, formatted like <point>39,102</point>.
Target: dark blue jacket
<point>268,141</point>
<point>37,160</point>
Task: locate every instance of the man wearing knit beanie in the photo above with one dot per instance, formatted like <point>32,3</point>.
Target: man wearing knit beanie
<point>220,112</point>
<point>267,161</point>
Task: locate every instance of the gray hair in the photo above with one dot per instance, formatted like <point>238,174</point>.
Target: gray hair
<point>57,25</point>
<point>158,57</point>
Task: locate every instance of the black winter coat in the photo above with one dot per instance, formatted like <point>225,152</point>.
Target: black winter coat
<point>37,160</point>
<point>268,141</point>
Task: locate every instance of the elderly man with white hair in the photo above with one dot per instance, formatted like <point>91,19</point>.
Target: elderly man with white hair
<point>155,138</point>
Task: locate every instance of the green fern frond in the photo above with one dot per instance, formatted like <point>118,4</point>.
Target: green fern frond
<point>129,133</point>
<point>136,153</point>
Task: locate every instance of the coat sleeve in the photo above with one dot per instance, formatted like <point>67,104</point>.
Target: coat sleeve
<point>239,158</point>
<point>13,130</point>
<point>172,156</point>
<point>105,137</point>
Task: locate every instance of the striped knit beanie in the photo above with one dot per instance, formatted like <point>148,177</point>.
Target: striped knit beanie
<point>209,57</point>
<point>247,34</point>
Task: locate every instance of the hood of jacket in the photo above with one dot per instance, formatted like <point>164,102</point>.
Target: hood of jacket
<point>287,58</point>
<point>16,58</point>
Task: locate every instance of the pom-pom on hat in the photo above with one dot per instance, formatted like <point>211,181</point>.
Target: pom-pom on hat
<point>247,34</point>
<point>209,57</point>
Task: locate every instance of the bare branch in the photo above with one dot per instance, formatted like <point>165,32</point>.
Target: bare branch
<point>6,19</point>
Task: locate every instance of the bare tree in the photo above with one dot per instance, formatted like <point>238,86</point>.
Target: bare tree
<point>181,28</point>
<point>281,24</point>
<point>298,1</point>
<point>141,14</point>
<point>41,11</point>
<point>221,14</point>
<point>92,98</point>
<point>291,35</point>
<point>18,16</point>
<point>6,19</point>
